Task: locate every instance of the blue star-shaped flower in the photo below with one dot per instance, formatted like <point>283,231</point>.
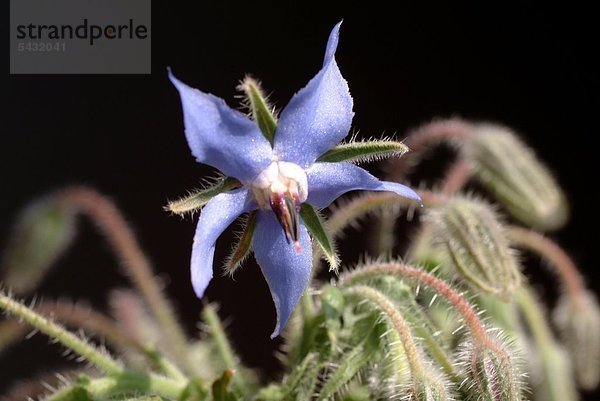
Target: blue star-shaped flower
<point>275,179</point>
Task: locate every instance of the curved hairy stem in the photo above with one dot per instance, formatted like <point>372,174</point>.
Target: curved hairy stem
<point>561,263</point>
<point>53,330</point>
<point>440,287</point>
<point>422,138</point>
<point>120,236</point>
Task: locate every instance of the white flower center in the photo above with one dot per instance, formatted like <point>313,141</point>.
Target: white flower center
<point>283,187</point>
<point>280,178</point>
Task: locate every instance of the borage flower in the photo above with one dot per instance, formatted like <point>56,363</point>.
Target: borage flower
<point>282,170</point>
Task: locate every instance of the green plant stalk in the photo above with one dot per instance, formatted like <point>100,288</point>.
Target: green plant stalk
<point>561,263</point>
<point>73,314</point>
<point>210,317</point>
<point>110,221</point>
<point>100,359</point>
<point>461,305</point>
<point>121,378</point>
<point>166,366</point>
<point>106,387</point>
<point>414,316</point>
<point>383,304</point>
<point>536,321</point>
<point>558,384</point>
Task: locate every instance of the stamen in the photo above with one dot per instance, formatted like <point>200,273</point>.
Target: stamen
<point>283,186</point>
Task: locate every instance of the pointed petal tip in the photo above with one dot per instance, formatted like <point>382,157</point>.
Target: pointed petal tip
<point>276,332</point>
<point>176,82</point>
<point>286,271</point>
<point>332,43</point>
<point>404,191</point>
<point>328,181</point>
<point>216,216</point>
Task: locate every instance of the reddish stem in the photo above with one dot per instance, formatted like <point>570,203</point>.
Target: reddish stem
<point>562,264</point>
<point>457,177</point>
<point>438,286</point>
<point>425,136</point>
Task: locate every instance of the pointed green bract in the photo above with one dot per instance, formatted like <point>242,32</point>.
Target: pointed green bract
<point>315,226</point>
<point>258,104</point>
<point>364,151</point>
<point>242,248</point>
<point>196,200</point>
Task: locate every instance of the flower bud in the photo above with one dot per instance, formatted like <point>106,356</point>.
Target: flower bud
<point>473,240</point>
<point>430,387</point>
<point>510,170</point>
<point>579,325</point>
<point>41,234</point>
<point>491,374</point>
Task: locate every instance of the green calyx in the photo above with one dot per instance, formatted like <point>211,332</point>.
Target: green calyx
<point>315,225</point>
<point>260,109</point>
<point>475,244</point>
<point>364,151</point>
<point>196,200</point>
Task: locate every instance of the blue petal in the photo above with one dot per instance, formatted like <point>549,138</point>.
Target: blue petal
<point>328,181</point>
<point>318,116</point>
<point>287,272</point>
<point>215,217</point>
<point>220,136</point>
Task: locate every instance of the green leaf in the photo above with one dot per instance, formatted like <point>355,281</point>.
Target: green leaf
<point>220,391</point>
<point>196,200</point>
<point>349,363</point>
<point>300,384</point>
<point>244,380</point>
<point>364,151</point>
<point>259,105</point>
<point>316,227</point>
<point>42,233</point>
<point>242,248</point>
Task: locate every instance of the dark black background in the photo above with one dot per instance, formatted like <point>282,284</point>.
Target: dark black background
<point>527,67</point>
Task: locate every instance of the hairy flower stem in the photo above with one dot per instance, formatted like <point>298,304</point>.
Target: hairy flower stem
<point>57,332</point>
<point>419,141</point>
<point>562,264</point>
<point>121,379</point>
<point>128,382</point>
<point>536,321</point>
<point>211,319</point>
<point>76,315</point>
<point>456,177</point>
<point>422,138</point>
<point>462,306</point>
<point>110,221</point>
<point>555,381</point>
<point>348,213</point>
<point>400,325</point>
